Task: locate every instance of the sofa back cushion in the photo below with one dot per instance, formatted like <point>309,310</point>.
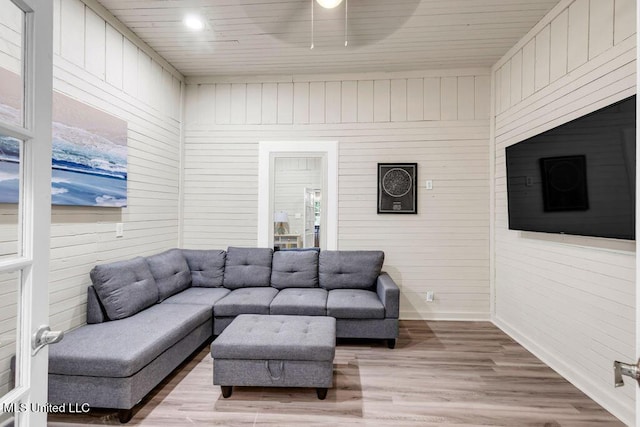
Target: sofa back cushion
<point>247,267</point>
<point>171,272</point>
<point>349,269</point>
<point>124,287</point>
<point>295,269</point>
<point>206,266</point>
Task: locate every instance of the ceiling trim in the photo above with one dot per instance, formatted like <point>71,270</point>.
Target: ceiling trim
<point>338,77</point>
<point>118,25</point>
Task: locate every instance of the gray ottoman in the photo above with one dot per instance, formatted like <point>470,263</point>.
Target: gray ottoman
<point>275,351</point>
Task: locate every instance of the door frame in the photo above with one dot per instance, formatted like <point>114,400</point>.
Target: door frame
<point>265,175</point>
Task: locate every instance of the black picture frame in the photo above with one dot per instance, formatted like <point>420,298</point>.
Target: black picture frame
<point>397,188</point>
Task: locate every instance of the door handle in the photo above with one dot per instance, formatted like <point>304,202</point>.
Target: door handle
<point>625,369</point>
<point>44,336</point>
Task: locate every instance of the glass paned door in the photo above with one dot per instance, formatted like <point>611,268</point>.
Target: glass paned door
<point>12,20</point>
<point>10,184</point>
<point>25,204</point>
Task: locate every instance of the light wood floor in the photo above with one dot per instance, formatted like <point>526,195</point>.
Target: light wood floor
<point>441,373</point>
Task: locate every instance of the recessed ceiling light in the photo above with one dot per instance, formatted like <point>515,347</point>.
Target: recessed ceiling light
<point>194,22</point>
<point>329,4</point>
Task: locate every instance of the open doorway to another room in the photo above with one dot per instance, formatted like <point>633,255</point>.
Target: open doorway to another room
<point>297,201</point>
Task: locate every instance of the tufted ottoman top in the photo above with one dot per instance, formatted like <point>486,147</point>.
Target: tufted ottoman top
<point>267,337</point>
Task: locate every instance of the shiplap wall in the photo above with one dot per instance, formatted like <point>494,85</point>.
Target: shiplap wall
<point>568,299</point>
<point>98,65</point>
<point>437,119</point>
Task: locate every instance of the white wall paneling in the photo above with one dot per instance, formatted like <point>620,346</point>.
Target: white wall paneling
<point>415,99</point>
<point>317,102</point>
<point>95,46</point>
<point>365,101</point>
<point>624,19</point>
<point>333,102</point>
<point>95,64</point>
<point>72,31</point>
<point>239,108</point>
<point>398,100</point>
<point>542,57</point>
<point>450,253</point>
<point>578,34</point>
<point>601,13</point>
<point>466,98</point>
<point>528,70</point>
<point>449,98</point>
<point>432,97</point>
<point>285,102</point>
<point>349,106</point>
<point>569,299</point>
<point>381,100</point>
<point>203,111</point>
<point>559,37</point>
<point>300,102</point>
<point>254,109</point>
<point>223,103</point>
<point>114,50</point>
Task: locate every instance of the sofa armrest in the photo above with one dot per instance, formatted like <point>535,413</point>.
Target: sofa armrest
<point>95,311</point>
<point>389,294</point>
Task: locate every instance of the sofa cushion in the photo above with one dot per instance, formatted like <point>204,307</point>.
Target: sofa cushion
<point>121,348</point>
<point>300,302</point>
<point>245,301</point>
<point>354,304</point>
<point>294,269</point>
<point>349,269</point>
<point>204,296</point>
<point>206,266</point>
<point>247,267</point>
<point>124,287</point>
<point>171,272</point>
<point>262,338</point>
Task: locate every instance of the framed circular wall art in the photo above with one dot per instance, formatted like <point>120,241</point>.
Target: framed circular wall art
<point>397,188</point>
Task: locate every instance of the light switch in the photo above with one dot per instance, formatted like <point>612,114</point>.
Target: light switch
<point>428,184</point>
<point>119,229</point>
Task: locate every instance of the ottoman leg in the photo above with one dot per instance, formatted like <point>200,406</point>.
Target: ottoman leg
<point>226,390</point>
<point>321,392</point>
<point>391,343</point>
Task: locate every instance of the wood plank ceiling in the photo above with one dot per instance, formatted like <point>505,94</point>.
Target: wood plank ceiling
<point>255,37</point>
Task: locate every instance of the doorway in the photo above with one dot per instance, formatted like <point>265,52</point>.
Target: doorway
<point>298,195</point>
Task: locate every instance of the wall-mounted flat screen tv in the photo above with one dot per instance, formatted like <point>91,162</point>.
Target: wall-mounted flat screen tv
<point>578,178</point>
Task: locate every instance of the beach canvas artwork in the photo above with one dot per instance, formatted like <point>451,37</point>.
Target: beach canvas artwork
<point>89,152</point>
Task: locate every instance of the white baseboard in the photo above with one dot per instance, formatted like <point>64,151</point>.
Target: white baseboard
<point>579,379</point>
<point>464,316</point>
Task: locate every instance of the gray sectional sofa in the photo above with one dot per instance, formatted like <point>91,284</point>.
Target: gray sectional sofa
<point>145,316</point>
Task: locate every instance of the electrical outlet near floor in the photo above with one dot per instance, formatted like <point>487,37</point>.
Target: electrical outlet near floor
<point>430,295</point>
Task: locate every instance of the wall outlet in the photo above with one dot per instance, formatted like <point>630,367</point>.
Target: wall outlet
<point>430,295</point>
<point>119,229</point>
<point>428,184</point>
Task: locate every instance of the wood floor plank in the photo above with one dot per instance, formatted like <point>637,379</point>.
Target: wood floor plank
<point>440,373</point>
